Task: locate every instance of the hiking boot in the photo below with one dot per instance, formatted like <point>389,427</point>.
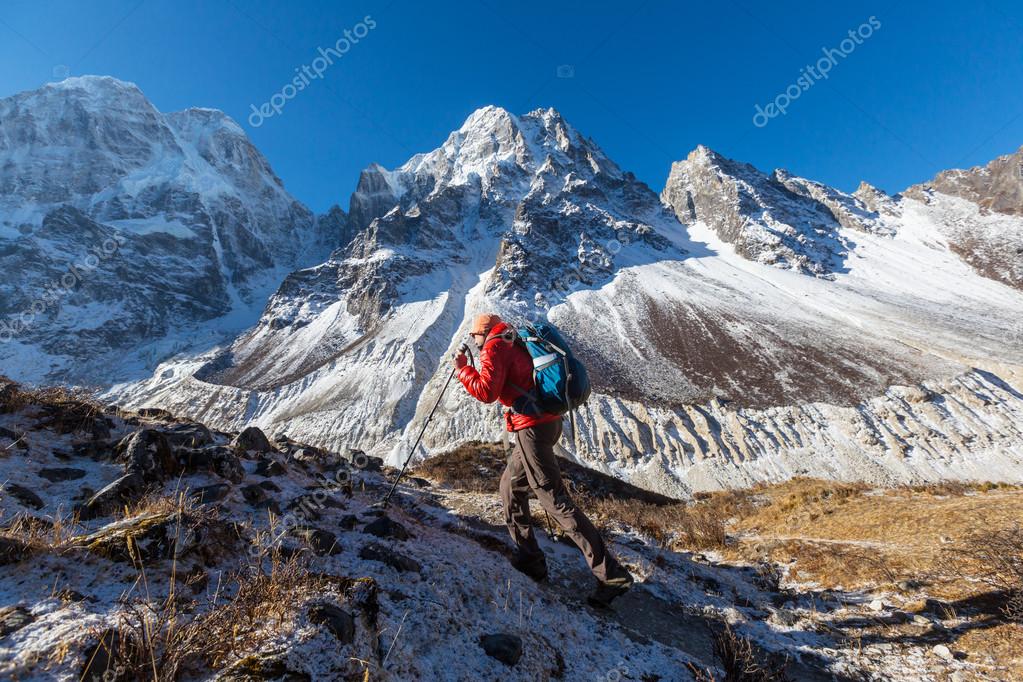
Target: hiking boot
<point>535,568</point>
<point>607,592</point>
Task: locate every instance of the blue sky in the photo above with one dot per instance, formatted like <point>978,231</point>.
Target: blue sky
<point>934,86</point>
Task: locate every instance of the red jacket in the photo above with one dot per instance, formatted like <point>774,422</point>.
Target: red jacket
<point>502,364</point>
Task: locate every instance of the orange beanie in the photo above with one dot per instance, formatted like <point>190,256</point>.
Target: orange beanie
<point>484,323</point>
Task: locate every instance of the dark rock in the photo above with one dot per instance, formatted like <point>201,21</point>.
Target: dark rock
<point>188,435</point>
<point>338,621</point>
<point>898,618</point>
<point>227,465</point>
<point>197,579</point>
<point>252,439</point>
<point>69,595</point>
<point>94,450</point>
<point>124,489</point>
<point>211,493</point>
<point>155,413</point>
<point>322,542</point>
<point>385,527</point>
<point>61,474</point>
<point>104,660</point>
<point>421,483</point>
<point>12,551</point>
<point>270,485</point>
<point>218,459</point>
<point>504,647</point>
<point>270,467</point>
<point>256,495</point>
<point>262,667</point>
<point>936,607</point>
<point>311,505</point>
<point>360,460</point>
<point>385,555</point>
<point>348,521</point>
<point>215,540</point>
<point>24,495</point>
<point>148,538</point>
<point>8,397</point>
<point>147,453</point>
<point>281,438</point>
<point>14,437</point>
<point>100,429</point>
<point>785,617</point>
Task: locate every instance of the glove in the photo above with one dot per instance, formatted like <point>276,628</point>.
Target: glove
<point>461,361</point>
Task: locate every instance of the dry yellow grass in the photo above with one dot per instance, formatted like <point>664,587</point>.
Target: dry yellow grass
<point>849,536</point>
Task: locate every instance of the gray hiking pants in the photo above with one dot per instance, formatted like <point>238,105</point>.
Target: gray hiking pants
<point>533,466</point>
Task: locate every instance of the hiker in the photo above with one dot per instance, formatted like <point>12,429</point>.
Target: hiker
<point>505,373</point>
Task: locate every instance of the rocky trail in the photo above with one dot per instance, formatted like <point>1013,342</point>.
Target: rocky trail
<point>147,547</point>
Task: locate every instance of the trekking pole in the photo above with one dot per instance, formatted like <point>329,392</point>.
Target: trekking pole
<point>422,431</point>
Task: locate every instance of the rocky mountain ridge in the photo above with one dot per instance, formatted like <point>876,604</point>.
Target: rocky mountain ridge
<point>759,333</point>
<point>741,326</point>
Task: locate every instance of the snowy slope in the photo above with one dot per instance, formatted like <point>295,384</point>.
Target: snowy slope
<point>122,229</point>
<point>766,326</point>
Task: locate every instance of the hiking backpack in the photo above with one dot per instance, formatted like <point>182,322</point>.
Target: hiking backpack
<point>560,382</point>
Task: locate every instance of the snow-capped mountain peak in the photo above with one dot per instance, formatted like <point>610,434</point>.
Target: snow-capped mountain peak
<point>197,226</point>
<point>743,326</point>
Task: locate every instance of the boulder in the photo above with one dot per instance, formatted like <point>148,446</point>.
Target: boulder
<point>385,555</point>
<point>506,648</point>
<point>785,617</point>
<point>257,496</point>
<point>252,439</point>
<point>385,527</point>
<point>188,435</point>
<point>147,453</point>
<point>14,437</point>
<point>61,474</point>
<point>210,494</point>
<point>12,551</point>
<point>218,459</point>
<point>270,665</point>
<point>197,579</point>
<point>94,450</point>
<point>106,660</point>
<point>154,413</point>
<point>23,495</point>
<point>9,401</point>
<point>268,468</point>
<point>148,537</point>
<point>125,489</point>
<point>322,543</point>
<point>360,460</point>
<point>13,618</point>
<point>340,623</point>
